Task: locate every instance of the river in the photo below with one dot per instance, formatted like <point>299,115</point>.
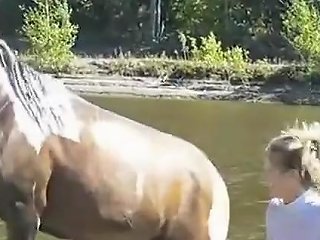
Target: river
<point>233,134</point>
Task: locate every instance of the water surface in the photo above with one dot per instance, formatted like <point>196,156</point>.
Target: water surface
<point>233,134</point>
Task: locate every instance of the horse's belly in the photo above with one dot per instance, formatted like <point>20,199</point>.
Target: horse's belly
<point>75,208</point>
<point>95,228</point>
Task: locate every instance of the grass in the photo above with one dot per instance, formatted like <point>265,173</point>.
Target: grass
<point>164,67</point>
<point>168,68</point>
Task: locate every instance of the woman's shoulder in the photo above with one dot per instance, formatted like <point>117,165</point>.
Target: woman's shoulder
<point>275,202</point>
<point>273,205</point>
<point>310,198</point>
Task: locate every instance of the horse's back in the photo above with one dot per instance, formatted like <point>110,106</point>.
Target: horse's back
<point>141,182</point>
<point>173,181</point>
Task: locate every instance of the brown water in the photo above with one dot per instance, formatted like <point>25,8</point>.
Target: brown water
<point>234,136</point>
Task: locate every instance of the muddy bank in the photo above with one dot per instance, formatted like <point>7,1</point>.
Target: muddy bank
<point>288,92</point>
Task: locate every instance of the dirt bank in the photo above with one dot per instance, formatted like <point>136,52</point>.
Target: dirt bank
<point>285,92</point>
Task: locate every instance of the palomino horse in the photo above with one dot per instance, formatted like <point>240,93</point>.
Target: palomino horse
<point>76,171</point>
<point>309,137</point>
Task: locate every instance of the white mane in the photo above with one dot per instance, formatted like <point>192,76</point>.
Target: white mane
<point>307,134</point>
<point>42,105</point>
<point>305,131</point>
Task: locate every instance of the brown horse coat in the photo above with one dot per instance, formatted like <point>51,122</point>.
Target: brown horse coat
<point>84,173</point>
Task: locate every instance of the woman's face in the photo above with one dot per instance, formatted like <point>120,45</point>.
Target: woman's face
<point>279,182</point>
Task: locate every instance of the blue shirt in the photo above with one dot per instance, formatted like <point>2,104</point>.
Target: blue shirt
<point>299,220</point>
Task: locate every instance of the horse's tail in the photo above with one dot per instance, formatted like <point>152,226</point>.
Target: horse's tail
<point>218,222</point>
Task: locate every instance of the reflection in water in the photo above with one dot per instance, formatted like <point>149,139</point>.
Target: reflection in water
<point>232,134</point>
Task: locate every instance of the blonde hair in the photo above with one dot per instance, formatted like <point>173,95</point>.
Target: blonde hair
<point>300,144</point>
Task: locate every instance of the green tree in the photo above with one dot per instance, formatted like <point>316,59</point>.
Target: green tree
<point>301,28</point>
<point>50,33</point>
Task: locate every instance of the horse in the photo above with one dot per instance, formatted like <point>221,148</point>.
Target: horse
<point>308,135</point>
<point>76,171</point>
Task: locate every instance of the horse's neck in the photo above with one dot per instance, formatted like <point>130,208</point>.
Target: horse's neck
<point>52,113</point>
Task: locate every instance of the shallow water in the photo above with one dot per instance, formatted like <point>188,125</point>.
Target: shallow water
<point>233,134</point>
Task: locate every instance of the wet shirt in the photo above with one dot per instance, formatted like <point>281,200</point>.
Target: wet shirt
<point>299,220</point>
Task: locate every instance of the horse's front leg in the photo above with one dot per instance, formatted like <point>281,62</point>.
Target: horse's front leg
<point>21,217</point>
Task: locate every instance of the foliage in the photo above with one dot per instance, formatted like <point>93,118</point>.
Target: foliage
<point>50,33</point>
<point>301,28</point>
<point>212,53</point>
<point>223,32</point>
<point>252,24</point>
<point>171,69</point>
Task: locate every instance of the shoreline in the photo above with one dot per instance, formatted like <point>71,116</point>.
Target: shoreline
<point>291,93</point>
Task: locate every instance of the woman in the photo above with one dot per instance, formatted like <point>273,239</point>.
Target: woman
<point>292,169</point>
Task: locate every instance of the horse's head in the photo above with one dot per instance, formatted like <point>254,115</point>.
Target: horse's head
<point>17,207</point>
<point>309,136</point>
<point>18,211</point>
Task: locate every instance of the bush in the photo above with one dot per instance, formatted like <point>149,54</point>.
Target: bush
<point>168,69</point>
<point>211,52</point>
<point>50,33</point>
<point>301,28</point>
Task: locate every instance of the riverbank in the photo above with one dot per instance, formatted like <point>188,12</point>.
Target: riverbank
<point>289,93</point>
<point>164,78</point>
